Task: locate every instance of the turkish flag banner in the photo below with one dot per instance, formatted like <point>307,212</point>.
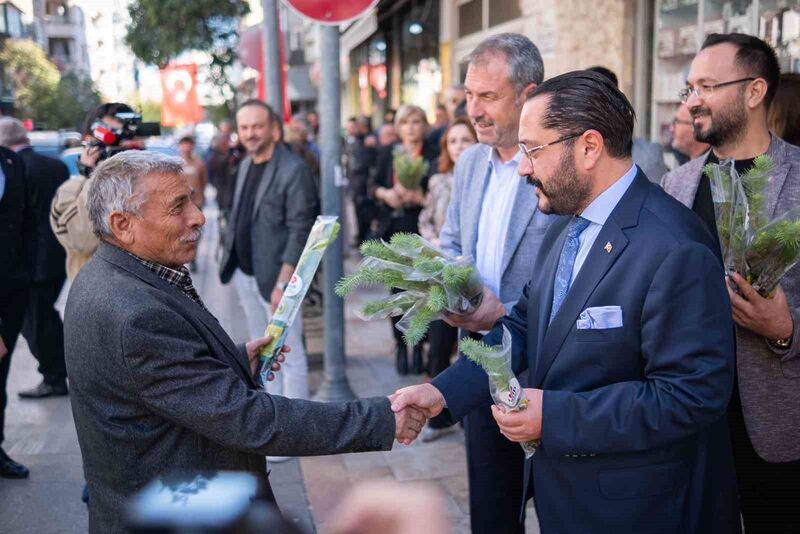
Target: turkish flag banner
<point>179,104</point>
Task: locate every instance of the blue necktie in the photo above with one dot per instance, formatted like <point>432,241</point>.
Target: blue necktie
<point>566,262</point>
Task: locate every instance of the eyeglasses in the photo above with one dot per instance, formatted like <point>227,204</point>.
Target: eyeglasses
<point>530,151</point>
<point>676,122</point>
<point>705,91</point>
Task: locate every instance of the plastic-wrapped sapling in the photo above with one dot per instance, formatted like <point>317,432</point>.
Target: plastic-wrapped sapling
<point>504,387</point>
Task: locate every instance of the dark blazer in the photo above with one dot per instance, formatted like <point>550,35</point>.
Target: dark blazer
<point>634,431</point>
<point>46,175</point>
<point>405,219</point>
<point>18,224</point>
<point>286,206</point>
<point>156,385</point>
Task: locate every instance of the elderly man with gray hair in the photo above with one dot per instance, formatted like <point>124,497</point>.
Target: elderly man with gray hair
<point>157,384</point>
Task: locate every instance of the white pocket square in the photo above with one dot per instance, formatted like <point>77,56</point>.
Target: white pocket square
<point>600,317</point>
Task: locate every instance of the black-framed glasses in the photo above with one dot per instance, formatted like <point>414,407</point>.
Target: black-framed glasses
<point>705,91</point>
<point>530,151</point>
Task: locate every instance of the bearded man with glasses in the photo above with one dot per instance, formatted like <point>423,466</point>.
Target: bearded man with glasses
<point>728,92</point>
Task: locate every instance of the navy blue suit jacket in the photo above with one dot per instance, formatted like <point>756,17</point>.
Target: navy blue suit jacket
<point>634,429</point>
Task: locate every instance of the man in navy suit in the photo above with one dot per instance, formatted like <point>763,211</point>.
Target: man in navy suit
<point>624,333</point>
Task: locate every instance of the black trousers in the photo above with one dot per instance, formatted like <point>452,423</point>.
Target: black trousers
<point>44,331</point>
<point>495,468</point>
<point>769,493</point>
<point>442,340</point>
<point>13,301</point>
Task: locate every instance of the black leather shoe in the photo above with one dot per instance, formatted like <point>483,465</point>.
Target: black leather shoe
<point>11,469</point>
<point>45,390</point>
<point>417,367</point>
<point>401,360</point>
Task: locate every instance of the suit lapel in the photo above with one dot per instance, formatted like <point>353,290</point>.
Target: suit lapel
<point>473,203</point>
<point>545,301</point>
<point>241,176</point>
<point>525,206</point>
<point>123,260</point>
<point>267,178</point>
<point>776,151</point>
<point>594,268</point>
<point>597,264</point>
<point>686,188</point>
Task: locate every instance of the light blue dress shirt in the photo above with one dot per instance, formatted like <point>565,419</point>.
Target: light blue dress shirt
<point>2,183</point>
<point>498,201</point>
<point>597,214</point>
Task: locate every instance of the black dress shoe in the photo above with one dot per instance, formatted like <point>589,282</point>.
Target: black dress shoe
<point>417,366</point>
<point>401,360</point>
<point>11,469</point>
<point>45,390</point>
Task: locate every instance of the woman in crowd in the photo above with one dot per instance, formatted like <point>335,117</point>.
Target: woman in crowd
<point>441,336</point>
<point>399,207</point>
<point>784,113</point>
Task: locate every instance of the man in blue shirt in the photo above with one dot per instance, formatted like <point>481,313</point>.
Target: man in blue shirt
<point>624,335</point>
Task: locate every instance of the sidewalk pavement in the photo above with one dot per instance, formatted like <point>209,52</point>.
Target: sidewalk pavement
<point>41,434</point>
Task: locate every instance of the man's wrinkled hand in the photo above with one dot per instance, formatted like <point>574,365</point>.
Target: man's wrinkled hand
<point>408,424</point>
<point>3,349</point>
<point>424,397</point>
<point>525,425</point>
<point>768,317</point>
<point>254,349</point>
<point>484,318</point>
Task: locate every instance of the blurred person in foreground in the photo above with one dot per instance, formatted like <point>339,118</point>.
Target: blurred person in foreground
<point>648,156</point>
<point>43,329</point>
<point>784,112</point>
<point>157,384</point>
<point>398,208</point>
<point>381,506</point>
<point>18,248</point>
<point>624,336</point>
<point>442,336</point>
<point>729,90</point>
<point>68,216</point>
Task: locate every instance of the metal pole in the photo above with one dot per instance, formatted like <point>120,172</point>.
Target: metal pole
<point>272,56</point>
<point>334,386</point>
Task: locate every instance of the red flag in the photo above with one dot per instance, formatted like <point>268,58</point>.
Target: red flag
<point>179,104</point>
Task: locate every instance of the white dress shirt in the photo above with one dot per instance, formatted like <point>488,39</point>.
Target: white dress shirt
<point>597,214</point>
<point>498,201</point>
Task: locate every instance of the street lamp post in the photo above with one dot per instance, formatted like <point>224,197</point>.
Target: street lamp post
<point>272,57</point>
<point>334,386</point>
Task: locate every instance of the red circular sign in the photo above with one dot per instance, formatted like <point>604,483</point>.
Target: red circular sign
<point>331,11</point>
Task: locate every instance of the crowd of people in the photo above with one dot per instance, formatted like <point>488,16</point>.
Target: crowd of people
<point>674,410</point>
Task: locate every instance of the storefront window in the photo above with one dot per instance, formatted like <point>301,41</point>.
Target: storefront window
<point>470,17</point>
<point>683,24</point>
<point>421,79</point>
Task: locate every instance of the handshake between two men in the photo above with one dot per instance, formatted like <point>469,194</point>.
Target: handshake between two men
<point>427,401</point>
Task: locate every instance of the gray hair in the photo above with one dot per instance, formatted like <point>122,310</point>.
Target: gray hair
<point>112,187</point>
<point>12,132</point>
<point>525,65</point>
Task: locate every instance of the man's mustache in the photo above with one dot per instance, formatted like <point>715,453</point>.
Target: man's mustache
<point>698,111</point>
<point>193,236</point>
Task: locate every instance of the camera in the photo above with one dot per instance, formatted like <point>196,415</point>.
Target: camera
<point>115,140</point>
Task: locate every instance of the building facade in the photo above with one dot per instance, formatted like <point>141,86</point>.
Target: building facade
<point>649,44</point>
